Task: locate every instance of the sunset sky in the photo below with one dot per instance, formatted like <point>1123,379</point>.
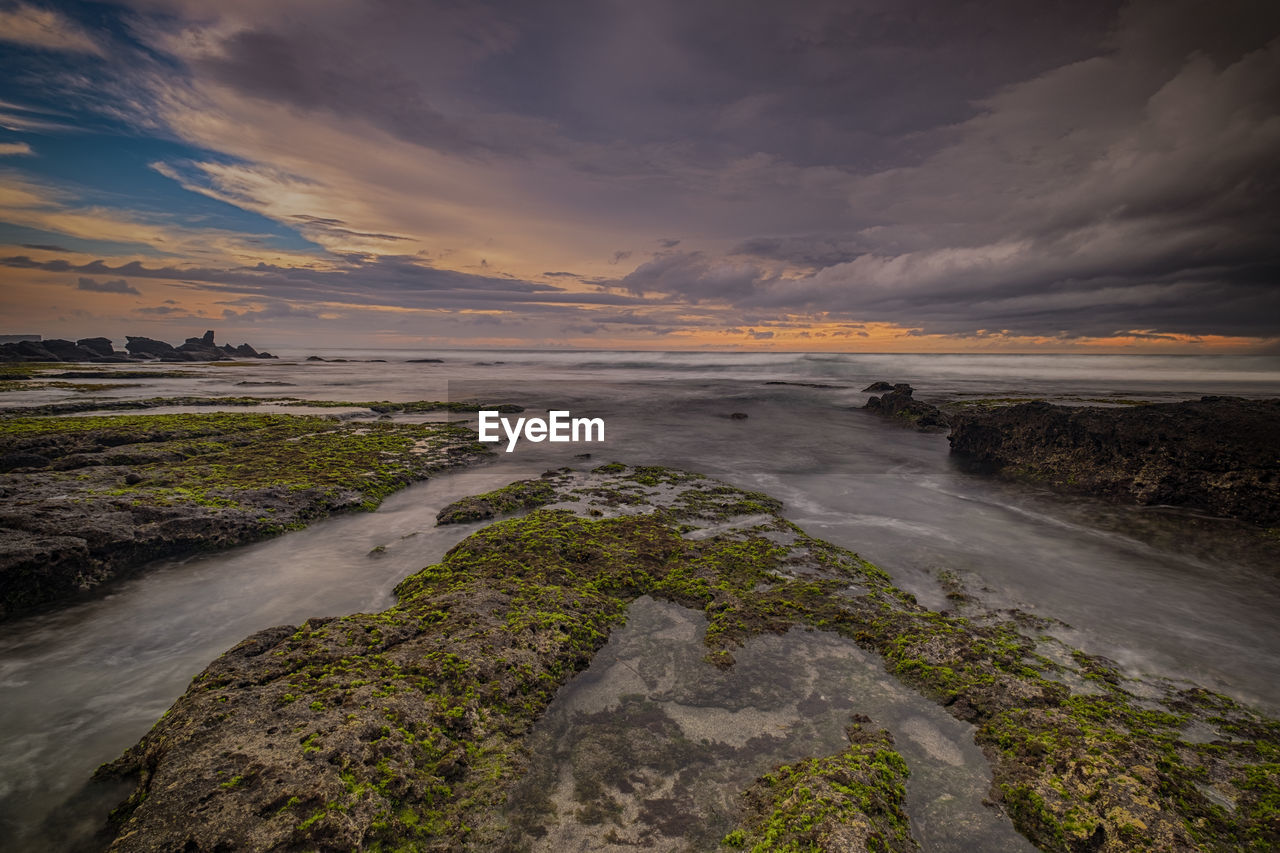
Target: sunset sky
<point>854,175</point>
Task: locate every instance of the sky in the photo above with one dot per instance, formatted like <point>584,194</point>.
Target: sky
<point>800,175</point>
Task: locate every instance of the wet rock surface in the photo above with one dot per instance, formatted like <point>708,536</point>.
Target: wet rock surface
<point>1217,455</point>
<point>527,494</point>
<point>804,805</point>
<point>652,747</point>
<point>407,729</point>
<point>84,500</point>
<point>896,401</point>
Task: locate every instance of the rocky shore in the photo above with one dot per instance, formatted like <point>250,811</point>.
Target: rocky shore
<point>1219,455</point>
<point>896,401</point>
<point>86,499</point>
<point>405,729</point>
<point>102,350</point>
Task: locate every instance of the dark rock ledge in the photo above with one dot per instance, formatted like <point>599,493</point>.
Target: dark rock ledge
<point>86,499</point>
<point>1216,455</point>
<point>404,729</point>
<point>1219,455</point>
<point>896,401</point>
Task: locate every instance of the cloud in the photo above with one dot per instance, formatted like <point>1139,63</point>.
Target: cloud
<point>12,149</point>
<point>392,281</point>
<point>45,29</point>
<point>1065,171</point>
<point>814,252</point>
<point>336,228</point>
<point>118,285</point>
<point>36,204</point>
<point>695,276</point>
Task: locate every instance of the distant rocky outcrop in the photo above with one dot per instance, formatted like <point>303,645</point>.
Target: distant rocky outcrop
<point>897,402</point>
<point>1219,455</point>
<point>26,351</point>
<point>100,347</point>
<point>67,350</point>
<point>101,350</point>
<point>148,348</point>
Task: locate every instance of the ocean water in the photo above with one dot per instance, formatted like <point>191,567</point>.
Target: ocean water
<point>1161,591</point>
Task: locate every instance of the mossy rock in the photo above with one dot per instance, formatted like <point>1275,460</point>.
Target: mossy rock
<point>405,729</point>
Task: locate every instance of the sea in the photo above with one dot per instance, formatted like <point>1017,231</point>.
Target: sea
<point>1161,591</point>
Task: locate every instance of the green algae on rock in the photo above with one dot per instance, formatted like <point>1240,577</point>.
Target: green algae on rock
<point>848,801</point>
<point>88,498</point>
<point>405,729</point>
<point>526,494</point>
<point>8,385</point>
<point>381,407</point>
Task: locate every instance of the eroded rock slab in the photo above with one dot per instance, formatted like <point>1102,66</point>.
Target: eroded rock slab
<point>406,729</point>
<point>897,401</point>
<point>1219,455</point>
<point>86,499</point>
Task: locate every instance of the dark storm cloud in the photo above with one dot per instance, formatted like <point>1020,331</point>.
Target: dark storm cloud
<point>119,285</point>
<point>1134,190</point>
<point>1056,168</point>
<point>816,251</point>
<point>387,280</point>
<point>298,68</point>
<point>815,82</point>
<point>695,276</point>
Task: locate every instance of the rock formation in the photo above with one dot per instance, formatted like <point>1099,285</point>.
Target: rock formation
<point>100,350</point>
<point>1219,455</point>
<point>898,403</point>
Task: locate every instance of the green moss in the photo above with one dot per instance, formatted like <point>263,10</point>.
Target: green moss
<point>446,684</point>
<point>233,782</point>
<point>525,494</point>
<point>24,384</point>
<point>382,407</point>
<point>851,800</point>
<point>16,371</point>
<point>230,476</point>
<point>251,452</point>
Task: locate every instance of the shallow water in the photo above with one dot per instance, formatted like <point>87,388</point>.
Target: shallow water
<point>650,747</point>
<point>81,684</point>
<point>1160,591</point>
